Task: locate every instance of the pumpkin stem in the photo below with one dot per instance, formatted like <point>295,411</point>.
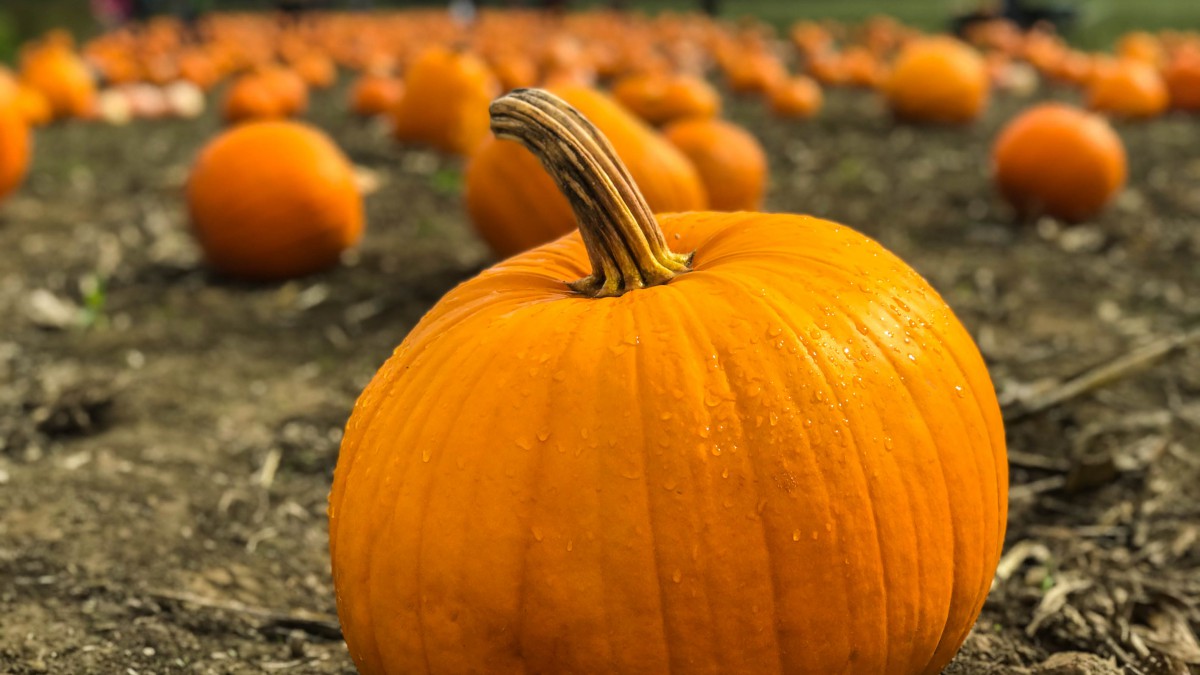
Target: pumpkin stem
<point>626,247</point>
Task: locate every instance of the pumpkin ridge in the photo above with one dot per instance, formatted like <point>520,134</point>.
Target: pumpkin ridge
<point>772,575</point>
<point>650,511</point>
<point>789,326</point>
<point>954,586</point>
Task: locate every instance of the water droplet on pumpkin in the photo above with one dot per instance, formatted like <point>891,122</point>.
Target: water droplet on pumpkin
<point>543,434</point>
<point>537,533</point>
<point>570,545</point>
<point>426,453</point>
<point>524,443</point>
<point>795,535</point>
<point>677,576</point>
<point>774,331</point>
<point>829,527</point>
<point>887,443</point>
<point>583,432</point>
<point>958,391</point>
<point>912,357</point>
<point>716,450</point>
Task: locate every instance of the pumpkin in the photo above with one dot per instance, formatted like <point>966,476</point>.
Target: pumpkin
<point>1182,78</point>
<point>1058,160</point>
<point>445,102</point>
<point>15,139</point>
<point>290,90</point>
<point>514,205</point>
<point>797,98</point>
<point>731,162</point>
<point>1128,88</point>
<point>375,95</point>
<point>660,98</point>
<point>754,72</point>
<point>737,443</point>
<point>273,200</point>
<point>938,80</point>
<point>251,98</point>
<point>199,69</point>
<point>514,70</point>
<point>318,72</point>
<point>33,105</point>
<point>1141,46</point>
<point>55,70</point>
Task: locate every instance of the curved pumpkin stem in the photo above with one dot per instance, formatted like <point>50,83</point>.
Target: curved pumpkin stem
<point>626,247</point>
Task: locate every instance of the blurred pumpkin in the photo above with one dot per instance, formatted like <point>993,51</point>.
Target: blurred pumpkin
<point>375,95</point>
<point>318,72</point>
<point>199,69</point>
<point>727,443</point>
<point>291,91</point>
<point>754,72</point>
<point>33,105</point>
<point>55,70</point>
<point>273,200</point>
<point>938,80</point>
<point>250,97</point>
<point>1141,46</point>
<point>731,162</point>
<point>1129,89</point>
<point>797,98</point>
<point>1182,78</point>
<point>515,206</point>
<point>446,94</point>
<point>1058,160</point>
<point>16,141</point>
<point>659,98</point>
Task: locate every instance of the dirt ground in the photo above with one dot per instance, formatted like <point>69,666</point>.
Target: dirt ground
<point>167,438</point>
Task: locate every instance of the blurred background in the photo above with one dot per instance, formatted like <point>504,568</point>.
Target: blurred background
<point>1098,22</point>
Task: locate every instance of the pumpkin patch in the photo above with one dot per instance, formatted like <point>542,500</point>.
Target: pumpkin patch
<point>635,337</point>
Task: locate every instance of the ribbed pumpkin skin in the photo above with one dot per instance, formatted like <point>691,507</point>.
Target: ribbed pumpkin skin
<point>789,460</point>
<point>446,102</point>
<point>731,161</point>
<point>273,200</point>
<point>515,205</point>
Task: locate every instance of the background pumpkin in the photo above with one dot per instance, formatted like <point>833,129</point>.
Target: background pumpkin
<point>514,205</point>
<point>273,200</point>
<point>445,102</point>
<point>375,94</point>
<point>1058,160</point>
<point>797,97</point>
<point>787,459</point>
<point>939,80</point>
<point>61,76</point>
<point>1128,88</point>
<point>15,139</point>
<point>660,98</point>
<point>731,162</point>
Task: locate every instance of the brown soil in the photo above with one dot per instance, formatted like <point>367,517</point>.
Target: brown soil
<point>166,450</point>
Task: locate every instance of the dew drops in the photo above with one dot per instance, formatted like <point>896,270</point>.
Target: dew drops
<point>958,391</point>
<point>537,533</point>
<point>716,451</point>
<point>677,576</point>
<point>543,434</point>
<point>912,357</point>
<point>795,535</point>
<point>887,443</point>
<point>426,453</point>
<point>570,545</point>
<point>524,443</point>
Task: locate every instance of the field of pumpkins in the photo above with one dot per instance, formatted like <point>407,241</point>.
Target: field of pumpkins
<point>493,340</point>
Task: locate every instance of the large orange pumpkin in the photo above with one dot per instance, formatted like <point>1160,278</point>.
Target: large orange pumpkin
<point>939,80</point>
<point>1059,160</point>
<point>273,200</point>
<point>15,140</point>
<point>515,206</point>
<point>731,161</point>
<point>445,102</point>
<point>741,443</point>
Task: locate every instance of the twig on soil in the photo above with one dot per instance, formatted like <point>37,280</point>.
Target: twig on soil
<point>1037,400</point>
<point>317,625</point>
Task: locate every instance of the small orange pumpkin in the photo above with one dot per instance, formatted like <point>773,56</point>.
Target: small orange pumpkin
<point>291,91</point>
<point>735,443</point>
<point>33,105</point>
<point>446,94</point>
<point>797,98</point>
<point>938,80</point>
<point>1182,77</point>
<point>660,98</point>
<point>250,97</point>
<point>273,200</point>
<point>515,206</point>
<point>731,162</point>
<point>55,70</point>
<point>318,72</point>
<point>375,95</point>
<point>1128,88</point>
<point>1058,160</point>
